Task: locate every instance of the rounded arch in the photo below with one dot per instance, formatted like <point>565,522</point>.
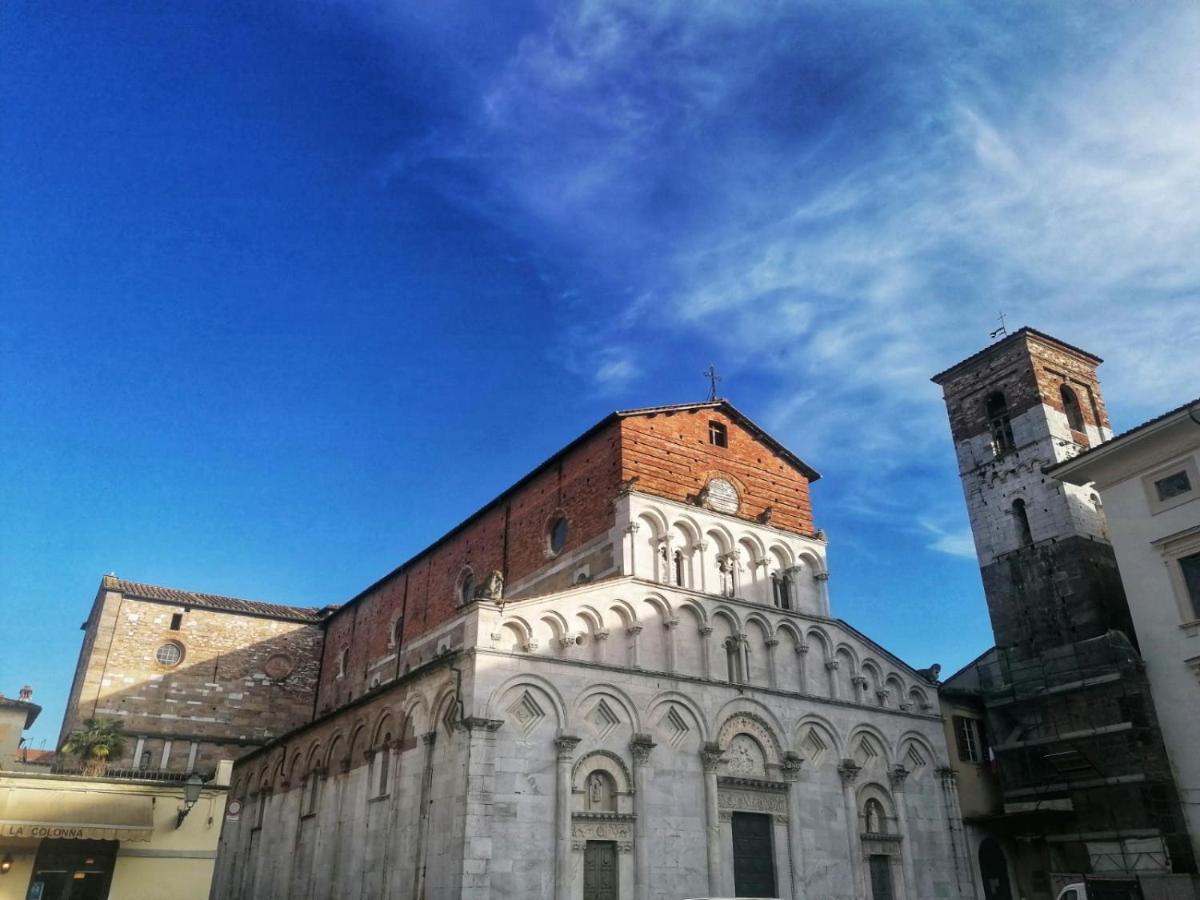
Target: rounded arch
<point>660,603</point>
<point>754,544</point>
<point>895,687</point>
<point>796,632</point>
<point>653,516</point>
<point>464,586</point>
<point>278,772</point>
<point>610,692</point>
<point>848,650</point>
<point>781,555</point>
<point>918,699</point>
<point>924,746</point>
<point>688,527</point>
<point>876,809</point>
<point>729,617</point>
<point>445,709</point>
<point>827,748</point>
<point>336,760</point>
<point>358,739</point>
<point>741,712</point>
<point>874,674</point>
<point>416,716</point>
<point>607,761</point>
<point>592,617</point>
<point>817,636</point>
<point>876,739</point>
<point>557,622</point>
<point>762,622</point>
<point>811,560</point>
<point>721,536</point>
<point>296,769</point>
<point>529,679</point>
<point>695,609</point>
<point>312,759</point>
<point>675,698</point>
<point>384,725</point>
<point>625,612</point>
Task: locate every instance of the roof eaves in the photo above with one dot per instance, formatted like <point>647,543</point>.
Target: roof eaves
<point>1118,441</point>
<point>1023,331</point>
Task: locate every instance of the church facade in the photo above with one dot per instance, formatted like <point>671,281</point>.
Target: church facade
<point>620,679</point>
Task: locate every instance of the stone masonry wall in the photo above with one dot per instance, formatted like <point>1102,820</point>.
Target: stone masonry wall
<point>219,695</point>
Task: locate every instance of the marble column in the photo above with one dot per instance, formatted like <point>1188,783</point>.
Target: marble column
<point>860,688</point>
<point>633,631</point>
<point>712,757</point>
<point>898,775</point>
<point>423,817</point>
<point>744,657</point>
<point>640,746</point>
<point>848,771</point>
<point>706,650</point>
<point>962,864</point>
<point>631,531</point>
<point>822,580</point>
<point>792,763</point>
<point>802,653</point>
<point>670,625</point>
<point>831,666</point>
<point>699,551</point>
<point>772,677</point>
<point>564,746</point>
<point>601,639</point>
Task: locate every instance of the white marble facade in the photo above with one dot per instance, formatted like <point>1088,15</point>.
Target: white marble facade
<point>629,710</point>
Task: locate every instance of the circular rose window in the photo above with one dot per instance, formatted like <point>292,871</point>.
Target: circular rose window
<point>279,666</point>
<point>170,654</point>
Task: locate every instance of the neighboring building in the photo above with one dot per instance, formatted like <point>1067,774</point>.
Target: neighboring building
<point>621,678</point>
<point>69,835</point>
<point>1149,482</point>
<point>1086,784</point>
<point>194,678</point>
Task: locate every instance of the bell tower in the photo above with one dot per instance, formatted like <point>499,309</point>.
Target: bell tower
<point>1017,407</point>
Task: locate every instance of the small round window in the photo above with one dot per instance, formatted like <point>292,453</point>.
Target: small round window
<point>169,654</point>
<point>558,534</point>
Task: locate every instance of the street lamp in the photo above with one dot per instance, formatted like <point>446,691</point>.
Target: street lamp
<point>191,793</point>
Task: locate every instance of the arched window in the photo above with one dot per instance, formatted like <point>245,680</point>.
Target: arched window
<point>1070,404</point>
<point>732,660</point>
<point>1024,535</point>
<point>397,631</point>
<point>466,588</point>
<point>782,585</point>
<point>999,424</point>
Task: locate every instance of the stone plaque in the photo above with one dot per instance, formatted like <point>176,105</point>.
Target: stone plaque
<point>722,496</point>
<point>279,666</point>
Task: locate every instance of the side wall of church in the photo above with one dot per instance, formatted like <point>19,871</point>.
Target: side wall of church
<point>222,696</point>
<point>510,537</point>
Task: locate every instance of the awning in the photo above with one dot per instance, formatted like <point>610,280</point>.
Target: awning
<point>90,815</point>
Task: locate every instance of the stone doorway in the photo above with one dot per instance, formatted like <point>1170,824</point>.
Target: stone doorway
<point>880,867</point>
<point>600,870</point>
<point>753,856</point>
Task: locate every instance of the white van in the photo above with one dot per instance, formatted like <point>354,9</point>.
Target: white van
<point>1077,891</point>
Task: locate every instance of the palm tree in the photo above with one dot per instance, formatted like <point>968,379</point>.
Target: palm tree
<point>94,742</point>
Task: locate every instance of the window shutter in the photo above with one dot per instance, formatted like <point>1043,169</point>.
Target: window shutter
<point>960,737</point>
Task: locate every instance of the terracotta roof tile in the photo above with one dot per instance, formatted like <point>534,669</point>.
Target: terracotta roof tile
<point>214,601</point>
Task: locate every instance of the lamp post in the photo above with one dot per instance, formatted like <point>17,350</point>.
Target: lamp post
<point>191,793</point>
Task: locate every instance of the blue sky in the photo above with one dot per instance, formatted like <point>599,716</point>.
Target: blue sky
<point>288,289</point>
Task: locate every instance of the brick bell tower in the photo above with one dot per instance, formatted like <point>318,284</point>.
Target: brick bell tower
<point>1017,407</point>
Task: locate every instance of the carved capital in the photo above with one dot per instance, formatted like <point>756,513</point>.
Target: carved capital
<point>860,680</point>
<point>821,576</point>
<point>706,630</point>
<point>802,648</point>
<point>792,764</point>
<point>625,846</point>
<point>634,629</point>
<point>711,756</point>
<point>602,635</point>
<point>831,665</point>
<point>883,694</point>
<point>564,746</point>
<point>701,546</point>
<point>566,641</point>
<point>640,746</point>
<point>429,738</point>
<point>848,771</point>
<point>948,775</point>
<point>632,528</point>
<point>671,623</point>
<point>897,776</point>
<point>529,646</point>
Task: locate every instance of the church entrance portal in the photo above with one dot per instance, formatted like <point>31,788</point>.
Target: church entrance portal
<point>753,859</point>
<point>881,877</point>
<point>600,871</point>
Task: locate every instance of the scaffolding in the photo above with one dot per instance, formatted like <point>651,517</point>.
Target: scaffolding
<point>1080,758</point>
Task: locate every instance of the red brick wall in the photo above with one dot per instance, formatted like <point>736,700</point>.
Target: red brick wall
<point>671,456</point>
<point>1030,371</point>
<point>510,537</point>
